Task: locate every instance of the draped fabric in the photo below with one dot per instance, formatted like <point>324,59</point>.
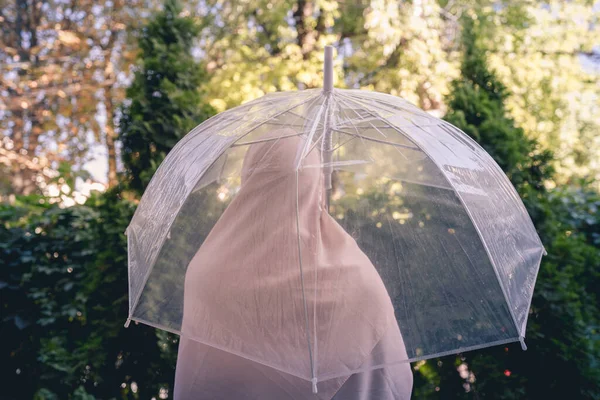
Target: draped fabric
<point>206,373</point>
<point>279,295</point>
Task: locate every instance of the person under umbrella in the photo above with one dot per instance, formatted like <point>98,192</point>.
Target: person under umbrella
<point>311,244</point>
<point>243,285</point>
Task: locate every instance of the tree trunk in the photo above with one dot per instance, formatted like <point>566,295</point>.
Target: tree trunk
<point>307,37</point>
<point>110,139</point>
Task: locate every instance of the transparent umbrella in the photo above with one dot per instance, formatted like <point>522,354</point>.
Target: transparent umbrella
<point>278,230</point>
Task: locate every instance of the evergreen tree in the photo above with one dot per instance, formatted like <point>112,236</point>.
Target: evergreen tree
<point>564,355</point>
<point>164,99</point>
<point>477,107</point>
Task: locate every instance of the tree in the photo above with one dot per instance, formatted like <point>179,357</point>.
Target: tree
<point>564,355</point>
<point>544,52</point>
<point>477,107</point>
<point>541,50</point>
<point>261,46</point>
<point>63,284</point>
<point>63,66</point>
<point>164,102</point>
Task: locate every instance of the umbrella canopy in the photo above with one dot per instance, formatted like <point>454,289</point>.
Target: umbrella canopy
<point>280,229</point>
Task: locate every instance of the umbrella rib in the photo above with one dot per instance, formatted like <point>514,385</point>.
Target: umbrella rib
<point>301,116</point>
<point>410,110</point>
<point>385,120</point>
<point>284,124</point>
<point>315,143</point>
<point>311,135</point>
<point>368,120</point>
<point>265,140</point>
<point>381,141</point>
<point>337,164</point>
<point>352,137</point>
<point>357,132</point>
<point>524,326</point>
<point>267,121</point>
<point>485,246</point>
<point>405,146</point>
<point>218,347</point>
<point>307,325</point>
<point>298,116</point>
<point>432,185</point>
<point>325,107</point>
<point>352,120</point>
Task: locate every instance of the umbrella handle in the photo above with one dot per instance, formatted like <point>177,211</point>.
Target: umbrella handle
<point>328,70</point>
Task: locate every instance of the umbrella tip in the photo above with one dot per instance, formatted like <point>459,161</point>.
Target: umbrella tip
<point>328,70</point>
<point>127,322</point>
<point>314,385</point>
<point>523,345</point>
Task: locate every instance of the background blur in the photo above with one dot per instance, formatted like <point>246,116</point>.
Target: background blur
<point>93,94</point>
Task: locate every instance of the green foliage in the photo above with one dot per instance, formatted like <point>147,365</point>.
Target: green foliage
<point>477,107</point>
<point>18,347</point>
<point>164,102</point>
<point>562,333</point>
<point>580,210</point>
<point>64,291</point>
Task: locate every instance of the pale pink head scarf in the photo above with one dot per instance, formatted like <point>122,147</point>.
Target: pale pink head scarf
<point>243,288</point>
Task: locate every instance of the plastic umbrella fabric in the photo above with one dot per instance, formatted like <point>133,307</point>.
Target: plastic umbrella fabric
<point>432,229</point>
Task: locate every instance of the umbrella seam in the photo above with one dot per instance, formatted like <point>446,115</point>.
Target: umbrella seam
<point>537,269</point>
